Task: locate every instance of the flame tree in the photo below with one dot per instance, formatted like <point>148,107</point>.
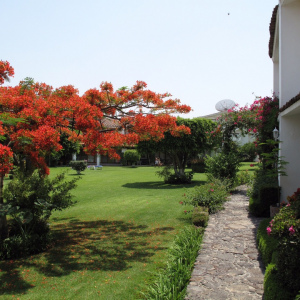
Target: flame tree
<point>33,116</point>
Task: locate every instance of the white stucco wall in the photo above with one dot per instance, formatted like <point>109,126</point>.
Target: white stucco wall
<point>289,50</point>
<point>290,133</point>
<point>287,82</point>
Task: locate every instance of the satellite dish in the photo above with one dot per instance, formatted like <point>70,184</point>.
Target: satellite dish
<point>225,104</point>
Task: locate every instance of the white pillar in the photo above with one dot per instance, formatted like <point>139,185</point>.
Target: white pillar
<point>74,156</point>
<point>98,159</point>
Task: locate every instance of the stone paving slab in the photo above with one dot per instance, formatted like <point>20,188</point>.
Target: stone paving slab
<point>228,265</point>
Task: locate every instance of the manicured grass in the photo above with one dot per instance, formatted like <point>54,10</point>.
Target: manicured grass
<point>106,245</point>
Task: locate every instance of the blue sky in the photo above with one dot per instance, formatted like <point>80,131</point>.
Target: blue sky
<point>201,51</point>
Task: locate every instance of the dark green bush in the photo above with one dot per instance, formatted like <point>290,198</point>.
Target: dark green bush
<point>78,165</point>
<point>261,207</point>
<point>170,177</point>
<point>132,156</point>
<point>223,165</point>
<point>247,152</point>
<point>200,216</point>
<point>20,244</point>
<point>29,202</point>
<point>180,179</point>
<point>263,192</point>
<point>273,290</point>
<point>197,165</point>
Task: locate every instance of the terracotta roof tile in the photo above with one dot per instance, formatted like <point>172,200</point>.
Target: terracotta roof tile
<point>272,29</point>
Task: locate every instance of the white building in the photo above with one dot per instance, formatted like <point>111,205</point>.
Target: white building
<point>284,50</point>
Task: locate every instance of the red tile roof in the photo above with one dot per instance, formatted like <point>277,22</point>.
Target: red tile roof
<point>272,29</point>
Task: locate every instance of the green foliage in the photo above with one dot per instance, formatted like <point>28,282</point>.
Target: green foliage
<point>273,164</point>
<point>170,177</point>
<point>200,216</point>
<point>132,156</point>
<point>273,290</point>
<point>267,245</point>
<point>170,284</point>
<point>211,195</point>
<point>24,243</point>
<point>260,200</point>
<point>181,149</point>
<point>198,165</point>
<point>223,165</point>
<point>29,202</point>
<point>243,177</point>
<point>78,165</point>
<point>247,152</point>
<point>285,227</point>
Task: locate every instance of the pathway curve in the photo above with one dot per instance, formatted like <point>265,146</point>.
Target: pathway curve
<point>228,265</point>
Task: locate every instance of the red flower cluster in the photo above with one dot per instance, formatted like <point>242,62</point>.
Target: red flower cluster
<point>5,71</point>
<point>100,119</point>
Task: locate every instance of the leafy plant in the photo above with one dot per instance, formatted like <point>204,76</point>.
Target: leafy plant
<point>223,165</point>
<point>170,284</point>
<point>172,178</point>
<point>132,156</point>
<point>243,177</point>
<point>200,216</point>
<point>247,152</point>
<point>30,201</point>
<point>285,227</point>
<point>78,165</point>
<point>211,195</point>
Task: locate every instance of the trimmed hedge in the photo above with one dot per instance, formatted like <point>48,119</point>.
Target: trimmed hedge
<point>272,288</point>
<point>267,196</point>
<point>200,216</point>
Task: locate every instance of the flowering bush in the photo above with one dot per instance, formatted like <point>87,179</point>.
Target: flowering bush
<point>259,120</point>
<point>285,227</point>
<point>211,195</point>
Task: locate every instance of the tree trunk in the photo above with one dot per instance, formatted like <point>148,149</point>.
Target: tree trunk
<point>3,221</point>
<point>179,165</point>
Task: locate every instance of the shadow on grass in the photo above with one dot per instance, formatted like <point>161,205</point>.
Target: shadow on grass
<point>84,246</point>
<point>161,185</point>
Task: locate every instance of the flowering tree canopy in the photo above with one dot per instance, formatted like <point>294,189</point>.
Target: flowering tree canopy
<point>259,119</point>
<point>33,116</point>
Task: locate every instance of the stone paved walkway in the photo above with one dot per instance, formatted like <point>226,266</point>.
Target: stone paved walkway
<point>228,265</point>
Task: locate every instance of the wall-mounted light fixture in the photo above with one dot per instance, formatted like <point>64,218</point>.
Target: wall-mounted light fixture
<point>276,134</point>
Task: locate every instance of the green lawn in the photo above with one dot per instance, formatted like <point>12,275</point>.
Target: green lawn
<point>107,244</point>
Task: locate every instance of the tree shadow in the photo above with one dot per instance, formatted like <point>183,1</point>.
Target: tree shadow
<point>159,185</point>
<point>85,245</point>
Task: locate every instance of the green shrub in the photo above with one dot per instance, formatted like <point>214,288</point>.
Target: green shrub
<point>20,244</point>
<point>171,283</point>
<point>170,177</point>
<point>223,165</point>
<point>267,245</point>
<point>78,165</point>
<point>132,156</point>
<point>260,207</point>
<point>200,216</point>
<point>198,165</point>
<point>29,202</point>
<point>247,152</point>
<point>243,177</point>
<point>273,290</point>
<point>263,192</point>
<point>211,195</point>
